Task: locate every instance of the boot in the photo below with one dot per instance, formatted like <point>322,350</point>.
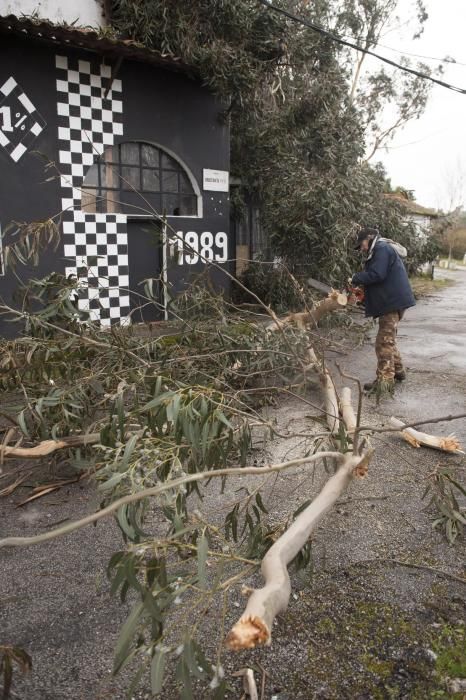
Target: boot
<point>370,386</point>
<point>400,376</point>
<point>380,387</point>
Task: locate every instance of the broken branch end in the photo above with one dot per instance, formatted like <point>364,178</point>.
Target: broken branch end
<point>248,633</point>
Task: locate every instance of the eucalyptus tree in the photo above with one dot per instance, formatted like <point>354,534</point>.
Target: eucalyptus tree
<point>386,97</point>
<point>302,110</point>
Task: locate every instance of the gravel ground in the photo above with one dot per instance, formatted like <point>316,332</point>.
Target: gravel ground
<point>380,615</point>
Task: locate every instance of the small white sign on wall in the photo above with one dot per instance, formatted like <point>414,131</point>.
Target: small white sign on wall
<point>216,180</point>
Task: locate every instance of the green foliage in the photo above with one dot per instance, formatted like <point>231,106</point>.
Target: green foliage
<point>386,98</point>
<point>382,389</point>
<point>142,635</point>
<point>243,524</point>
<point>420,251</point>
<point>445,494</point>
<point>165,407</point>
<point>233,45</point>
<point>24,242</point>
<point>450,647</point>
<point>388,216</point>
<point>52,299</point>
<point>180,432</point>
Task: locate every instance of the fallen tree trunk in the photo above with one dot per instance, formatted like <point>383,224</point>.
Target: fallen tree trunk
<point>254,628</point>
<point>334,302</point>
<point>47,447</point>
<point>347,411</point>
<point>416,438</point>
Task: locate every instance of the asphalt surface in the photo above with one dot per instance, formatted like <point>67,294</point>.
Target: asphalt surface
<point>433,335</point>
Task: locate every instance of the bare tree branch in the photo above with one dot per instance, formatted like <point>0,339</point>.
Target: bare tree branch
<point>156,490</point>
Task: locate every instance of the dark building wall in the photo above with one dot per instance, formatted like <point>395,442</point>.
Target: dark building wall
<point>178,113</point>
<point>25,195</point>
<point>145,103</point>
<point>175,113</point>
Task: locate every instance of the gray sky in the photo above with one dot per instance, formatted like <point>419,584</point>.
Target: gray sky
<point>429,154</point>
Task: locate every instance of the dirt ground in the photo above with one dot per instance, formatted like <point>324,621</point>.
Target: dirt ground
<point>381,613</point>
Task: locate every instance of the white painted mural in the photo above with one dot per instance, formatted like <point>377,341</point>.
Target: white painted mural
<point>82,13</point>
<point>20,123</point>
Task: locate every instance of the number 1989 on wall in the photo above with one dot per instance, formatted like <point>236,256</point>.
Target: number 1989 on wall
<point>191,247</point>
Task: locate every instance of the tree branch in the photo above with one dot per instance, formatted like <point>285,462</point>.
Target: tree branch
<point>47,447</point>
<point>347,411</point>
<point>155,490</point>
<point>442,419</point>
<point>416,438</point>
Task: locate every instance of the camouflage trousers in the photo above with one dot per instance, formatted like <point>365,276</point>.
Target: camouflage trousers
<point>388,357</point>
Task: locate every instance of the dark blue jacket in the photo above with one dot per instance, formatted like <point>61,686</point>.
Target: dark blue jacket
<point>385,281</point>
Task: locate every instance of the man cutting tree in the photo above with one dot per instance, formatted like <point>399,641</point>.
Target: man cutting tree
<point>387,293</point>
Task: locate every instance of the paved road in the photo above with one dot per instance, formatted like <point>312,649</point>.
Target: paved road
<point>433,336</point>
<point>432,341</point>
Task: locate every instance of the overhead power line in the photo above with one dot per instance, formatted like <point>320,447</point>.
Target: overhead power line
<point>351,45</point>
<point>450,61</point>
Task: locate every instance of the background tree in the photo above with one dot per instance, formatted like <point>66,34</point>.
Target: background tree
<point>451,234</point>
<point>386,97</point>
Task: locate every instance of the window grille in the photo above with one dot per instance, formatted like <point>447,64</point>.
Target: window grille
<point>138,178</point>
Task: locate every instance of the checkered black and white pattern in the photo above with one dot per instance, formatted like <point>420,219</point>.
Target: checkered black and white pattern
<point>90,115</point>
<point>98,246</point>
<point>21,122</point>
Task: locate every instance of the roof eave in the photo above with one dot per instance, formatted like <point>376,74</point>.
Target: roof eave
<point>89,40</point>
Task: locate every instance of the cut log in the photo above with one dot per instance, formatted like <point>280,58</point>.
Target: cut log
<point>334,302</point>
<point>303,319</point>
<point>347,411</point>
<point>255,625</point>
<point>416,438</point>
<point>47,447</point>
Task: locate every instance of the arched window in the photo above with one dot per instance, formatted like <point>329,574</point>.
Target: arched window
<point>138,178</point>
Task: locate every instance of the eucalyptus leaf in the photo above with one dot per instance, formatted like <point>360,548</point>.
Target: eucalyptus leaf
<point>157,669</point>
<point>126,636</point>
<point>202,552</point>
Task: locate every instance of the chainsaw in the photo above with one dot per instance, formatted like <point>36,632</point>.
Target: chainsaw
<point>355,294</point>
